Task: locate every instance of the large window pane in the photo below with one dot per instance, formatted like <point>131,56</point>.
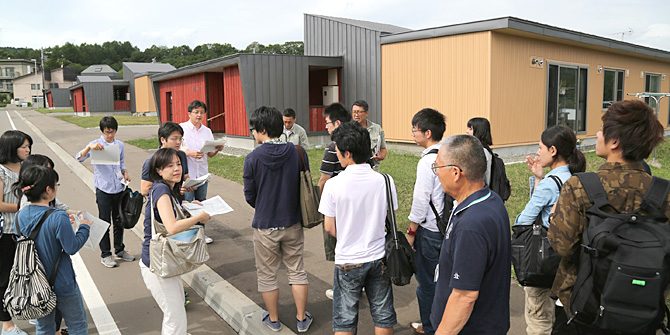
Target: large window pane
<point>581,102</point>
<point>608,88</point>
<point>552,96</point>
<point>567,97</point>
<point>619,86</point>
<point>652,84</point>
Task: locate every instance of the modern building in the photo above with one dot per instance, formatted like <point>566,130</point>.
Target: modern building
<point>235,85</point>
<point>58,98</point>
<point>521,75</point>
<point>12,68</point>
<point>138,75</point>
<point>100,94</point>
<point>28,88</point>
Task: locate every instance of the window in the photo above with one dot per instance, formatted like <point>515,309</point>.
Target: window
<point>10,86</point>
<point>652,83</point>
<point>612,87</point>
<point>2,84</point>
<point>35,87</point>
<point>9,72</point>
<point>566,96</point>
<point>53,85</point>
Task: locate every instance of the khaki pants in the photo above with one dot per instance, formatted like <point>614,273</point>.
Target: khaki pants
<point>275,246</point>
<point>539,311</point>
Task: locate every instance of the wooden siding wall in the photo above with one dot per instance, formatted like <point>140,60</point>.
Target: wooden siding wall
<point>78,100</point>
<point>50,99</point>
<point>144,95</point>
<point>519,91</point>
<point>184,90</point>
<point>450,74</point>
<point>233,101</point>
<point>215,101</point>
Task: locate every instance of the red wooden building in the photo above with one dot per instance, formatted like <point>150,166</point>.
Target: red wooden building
<point>234,86</point>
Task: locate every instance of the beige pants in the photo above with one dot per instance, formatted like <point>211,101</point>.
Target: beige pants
<point>272,247</point>
<point>539,311</point>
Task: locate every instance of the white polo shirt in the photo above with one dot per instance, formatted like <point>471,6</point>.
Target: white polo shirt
<point>194,139</point>
<point>356,198</point>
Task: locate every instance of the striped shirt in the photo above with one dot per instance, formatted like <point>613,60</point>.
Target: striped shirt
<point>8,177</point>
<point>330,164</point>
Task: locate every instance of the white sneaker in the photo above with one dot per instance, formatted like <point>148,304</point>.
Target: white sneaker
<point>329,293</point>
<point>208,239</point>
<point>108,262</point>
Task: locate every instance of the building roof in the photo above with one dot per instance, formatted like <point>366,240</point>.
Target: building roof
<point>29,74</point>
<point>93,79</point>
<point>16,60</point>
<point>138,68</point>
<point>218,63</point>
<point>381,27</point>
<point>525,26</point>
<point>99,69</point>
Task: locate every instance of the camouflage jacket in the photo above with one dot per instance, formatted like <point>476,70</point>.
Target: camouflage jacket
<point>625,184</point>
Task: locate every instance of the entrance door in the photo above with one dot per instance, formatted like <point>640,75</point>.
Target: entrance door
<point>168,106</point>
<point>566,95</point>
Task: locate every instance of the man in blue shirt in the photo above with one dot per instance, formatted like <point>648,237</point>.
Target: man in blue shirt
<point>109,184</point>
<point>473,274</point>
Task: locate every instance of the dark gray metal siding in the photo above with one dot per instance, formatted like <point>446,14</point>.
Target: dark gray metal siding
<point>129,76</point>
<point>99,97</point>
<point>280,81</point>
<point>360,48</point>
<point>61,97</point>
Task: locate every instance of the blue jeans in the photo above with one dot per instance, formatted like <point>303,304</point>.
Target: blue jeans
<point>427,245</point>
<point>72,308</point>
<point>348,283</point>
<point>199,193</point>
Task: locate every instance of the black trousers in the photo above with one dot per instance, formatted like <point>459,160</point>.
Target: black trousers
<point>108,210</point>
<point>7,251</point>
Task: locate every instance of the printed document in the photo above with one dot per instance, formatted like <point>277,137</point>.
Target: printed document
<point>196,182</point>
<point>212,206</point>
<point>110,155</point>
<point>97,230</point>
<point>210,146</point>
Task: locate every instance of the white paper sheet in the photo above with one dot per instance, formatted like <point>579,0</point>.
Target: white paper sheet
<point>210,146</point>
<point>196,182</point>
<point>213,206</point>
<point>110,155</point>
<point>97,230</point>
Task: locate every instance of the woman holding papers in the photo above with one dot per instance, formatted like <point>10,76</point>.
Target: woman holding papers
<point>55,242</point>
<point>14,148</point>
<point>165,169</point>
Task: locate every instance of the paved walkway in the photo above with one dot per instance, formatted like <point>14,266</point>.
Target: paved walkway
<point>232,252</point>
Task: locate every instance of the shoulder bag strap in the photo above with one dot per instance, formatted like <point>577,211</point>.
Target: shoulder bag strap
<point>153,217</point>
<point>301,157</point>
<point>33,235</point>
<point>558,181</point>
<point>390,213</point>
<point>594,189</point>
<point>430,202</point>
<point>654,200</point>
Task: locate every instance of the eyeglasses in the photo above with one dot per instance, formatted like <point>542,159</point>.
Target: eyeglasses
<point>414,130</point>
<point>358,112</point>
<point>329,122</point>
<point>435,167</point>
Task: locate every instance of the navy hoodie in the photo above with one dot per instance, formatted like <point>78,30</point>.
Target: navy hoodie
<point>271,185</point>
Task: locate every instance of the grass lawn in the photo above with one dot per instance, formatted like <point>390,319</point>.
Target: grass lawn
<point>123,120</point>
<point>403,169</point>
<point>58,110</point>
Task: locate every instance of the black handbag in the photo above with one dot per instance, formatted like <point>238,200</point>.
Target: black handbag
<point>399,258</point>
<point>535,262</point>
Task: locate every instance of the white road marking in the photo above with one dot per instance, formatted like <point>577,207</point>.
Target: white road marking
<point>104,322</point>
<point>10,120</point>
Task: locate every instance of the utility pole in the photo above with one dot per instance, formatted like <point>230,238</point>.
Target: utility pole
<point>44,91</point>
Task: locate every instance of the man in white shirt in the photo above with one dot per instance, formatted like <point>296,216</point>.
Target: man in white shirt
<point>428,127</point>
<point>195,136</point>
<point>354,205</point>
<point>293,132</point>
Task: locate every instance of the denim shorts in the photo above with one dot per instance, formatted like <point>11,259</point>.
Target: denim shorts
<point>348,283</point>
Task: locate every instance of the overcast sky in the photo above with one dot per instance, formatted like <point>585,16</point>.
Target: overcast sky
<point>45,23</point>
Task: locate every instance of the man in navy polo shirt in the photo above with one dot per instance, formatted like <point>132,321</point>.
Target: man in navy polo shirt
<point>473,274</point>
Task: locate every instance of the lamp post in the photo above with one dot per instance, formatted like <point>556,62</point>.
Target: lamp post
<point>44,92</point>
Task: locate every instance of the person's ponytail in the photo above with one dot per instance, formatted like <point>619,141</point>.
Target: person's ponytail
<point>576,161</point>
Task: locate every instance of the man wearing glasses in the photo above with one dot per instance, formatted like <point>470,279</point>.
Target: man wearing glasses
<point>170,135</point>
<point>473,274</point>
<point>335,115</point>
<point>359,111</point>
<point>195,136</point>
<point>428,127</point>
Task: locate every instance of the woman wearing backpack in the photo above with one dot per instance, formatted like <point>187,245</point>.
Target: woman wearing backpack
<point>14,148</point>
<point>557,151</point>
<point>54,242</point>
<point>165,171</point>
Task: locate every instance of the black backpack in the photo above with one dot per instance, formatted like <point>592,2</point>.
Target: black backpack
<point>499,182</point>
<point>535,262</point>
<point>624,266</point>
<point>131,204</point>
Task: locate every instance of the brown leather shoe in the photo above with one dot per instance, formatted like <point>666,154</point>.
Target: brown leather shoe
<point>418,328</point>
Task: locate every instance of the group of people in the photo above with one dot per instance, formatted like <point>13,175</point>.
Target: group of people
<point>463,269</point>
